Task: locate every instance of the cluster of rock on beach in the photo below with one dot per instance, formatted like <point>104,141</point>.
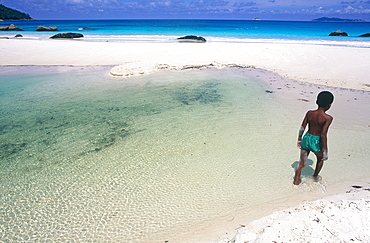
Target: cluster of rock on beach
<point>68,35</point>
<point>13,27</point>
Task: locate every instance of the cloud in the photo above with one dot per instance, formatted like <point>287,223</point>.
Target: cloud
<point>349,2</point>
<point>75,1</point>
<point>187,8</point>
<point>243,4</point>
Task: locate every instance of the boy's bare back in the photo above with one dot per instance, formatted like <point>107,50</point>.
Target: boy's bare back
<point>318,122</point>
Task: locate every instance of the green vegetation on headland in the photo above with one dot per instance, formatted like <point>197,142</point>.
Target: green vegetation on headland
<point>326,19</point>
<point>12,14</point>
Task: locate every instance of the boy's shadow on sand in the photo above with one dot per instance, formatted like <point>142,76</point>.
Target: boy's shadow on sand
<point>308,170</point>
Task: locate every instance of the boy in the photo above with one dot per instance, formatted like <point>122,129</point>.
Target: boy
<point>315,139</point>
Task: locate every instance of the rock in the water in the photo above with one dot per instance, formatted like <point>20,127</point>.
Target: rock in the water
<point>11,27</point>
<point>85,28</point>
<point>192,38</point>
<point>338,33</point>
<point>365,35</point>
<point>18,35</point>
<point>43,28</point>
<point>67,35</point>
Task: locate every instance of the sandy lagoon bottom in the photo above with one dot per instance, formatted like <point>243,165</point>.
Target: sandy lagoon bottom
<point>146,159</point>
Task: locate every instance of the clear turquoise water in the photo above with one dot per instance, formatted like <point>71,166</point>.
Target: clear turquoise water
<point>291,30</point>
<point>85,157</point>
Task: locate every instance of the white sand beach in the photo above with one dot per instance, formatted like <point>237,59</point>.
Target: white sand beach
<point>344,217</point>
<point>340,218</point>
<point>338,66</point>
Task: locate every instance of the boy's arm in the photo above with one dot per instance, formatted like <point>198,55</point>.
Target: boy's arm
<point>324,139</point>
<point>301,129</point>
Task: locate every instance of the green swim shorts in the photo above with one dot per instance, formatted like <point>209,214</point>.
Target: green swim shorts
<point>311,142</point>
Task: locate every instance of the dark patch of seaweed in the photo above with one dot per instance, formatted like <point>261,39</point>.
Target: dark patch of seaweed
<point>9,149</point>
<point>7,128</point>
<point>85,129</point>
<point>143,110</point>
<point>205,94</point>
<point>116,131</point>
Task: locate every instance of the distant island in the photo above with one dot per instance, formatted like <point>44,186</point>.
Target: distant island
<point>327,19</point>
<point>12,14</point>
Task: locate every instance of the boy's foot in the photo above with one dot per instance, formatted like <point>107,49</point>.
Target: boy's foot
<point>297,182</point>
<point>317,178</point>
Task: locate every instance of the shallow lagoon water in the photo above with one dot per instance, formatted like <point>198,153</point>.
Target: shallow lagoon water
<point>87,157</point>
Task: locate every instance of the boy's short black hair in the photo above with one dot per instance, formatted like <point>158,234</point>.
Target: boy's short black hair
<point>324,98</point>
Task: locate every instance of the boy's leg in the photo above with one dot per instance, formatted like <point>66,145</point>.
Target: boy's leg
<point>319,164</point>
<point>301,165</point>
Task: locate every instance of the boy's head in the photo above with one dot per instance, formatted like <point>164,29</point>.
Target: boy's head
<point>324,99</point>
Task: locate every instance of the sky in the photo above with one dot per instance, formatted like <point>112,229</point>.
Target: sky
<point>192,9</point>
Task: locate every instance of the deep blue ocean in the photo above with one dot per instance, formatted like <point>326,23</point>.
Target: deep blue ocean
<point>211,29</point>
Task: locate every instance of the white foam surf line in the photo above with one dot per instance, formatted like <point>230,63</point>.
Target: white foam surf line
<point>363,43</point>
<point>172,38</point>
